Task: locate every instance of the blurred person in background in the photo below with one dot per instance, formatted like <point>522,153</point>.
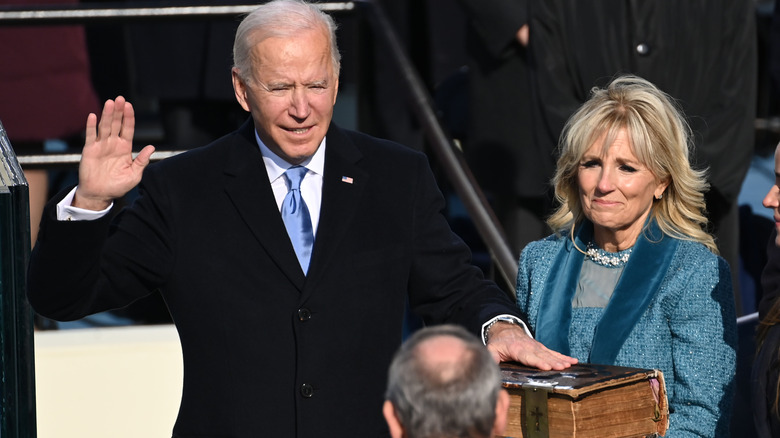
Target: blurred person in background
<point>46,89</point>
<point>511,167</point>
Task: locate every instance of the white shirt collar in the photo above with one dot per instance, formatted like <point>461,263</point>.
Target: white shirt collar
<point>276,166</point>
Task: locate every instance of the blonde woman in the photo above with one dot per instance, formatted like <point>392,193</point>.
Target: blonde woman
<point>630,277</point>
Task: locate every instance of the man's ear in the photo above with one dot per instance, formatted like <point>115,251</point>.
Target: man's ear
<point>396,430</point>
<point>337,92</point>
<point>502,413</point>
<point>239,88</point>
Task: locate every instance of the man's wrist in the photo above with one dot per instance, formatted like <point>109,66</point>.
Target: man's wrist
<point>509,319</point>
<point>67,212</point>
<point>87,203</point>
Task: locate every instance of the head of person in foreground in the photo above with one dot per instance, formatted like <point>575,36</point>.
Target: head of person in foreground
<point>444,383</point>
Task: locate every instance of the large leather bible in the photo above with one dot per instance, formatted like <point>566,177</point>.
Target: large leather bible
<point>585,401</point>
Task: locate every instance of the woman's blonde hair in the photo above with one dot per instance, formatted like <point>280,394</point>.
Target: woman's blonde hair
<point>659,137</point>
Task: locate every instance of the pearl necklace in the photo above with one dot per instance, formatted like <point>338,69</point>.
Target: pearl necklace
<point>604,258</point>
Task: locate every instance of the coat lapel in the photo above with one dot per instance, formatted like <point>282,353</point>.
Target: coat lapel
<point>343,184</point>
<point>246,184</point>
<point>555,312</point>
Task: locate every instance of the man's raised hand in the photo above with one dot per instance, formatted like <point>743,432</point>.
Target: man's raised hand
<point>107,170</point>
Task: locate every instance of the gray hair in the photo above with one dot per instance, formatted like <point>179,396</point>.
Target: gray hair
<point>281,19</point>
<point>451,398</point>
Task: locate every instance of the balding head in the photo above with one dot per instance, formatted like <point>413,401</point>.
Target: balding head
<point>444,383</point>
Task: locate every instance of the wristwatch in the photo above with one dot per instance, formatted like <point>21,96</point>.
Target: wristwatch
<point>500,318</point>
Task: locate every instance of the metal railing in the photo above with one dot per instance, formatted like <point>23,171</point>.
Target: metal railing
<point>87,13</point>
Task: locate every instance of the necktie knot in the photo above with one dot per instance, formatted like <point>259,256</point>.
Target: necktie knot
<point>295,176</point>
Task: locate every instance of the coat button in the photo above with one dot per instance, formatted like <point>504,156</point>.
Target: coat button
<point>307,390</point>
<point>304,314</point>
<point>643,49</point>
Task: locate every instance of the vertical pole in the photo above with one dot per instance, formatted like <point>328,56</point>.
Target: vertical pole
<point>17,366</point>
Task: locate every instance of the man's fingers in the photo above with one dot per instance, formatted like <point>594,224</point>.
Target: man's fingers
<point>116,122</point>
<point>550,359</point>
<point>112,120</point>
<point>545,361</point>
<point>117,116</point>
<point>496,355</point>
<point>104,125</point>
<point>531,353</point>
<point>90,135</point>
<point>143,157</point>
<point>128,122</point>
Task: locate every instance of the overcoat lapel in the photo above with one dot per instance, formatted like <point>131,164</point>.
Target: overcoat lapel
<point>248,187</point>
<point>555,312</point>
<point>340,200</point>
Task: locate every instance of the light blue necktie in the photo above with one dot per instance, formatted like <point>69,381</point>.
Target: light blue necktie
<point>296,217</point>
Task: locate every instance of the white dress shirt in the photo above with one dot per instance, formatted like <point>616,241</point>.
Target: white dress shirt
<point>311,186</point>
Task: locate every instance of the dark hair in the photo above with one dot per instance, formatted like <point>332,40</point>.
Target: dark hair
<point>771,319</point>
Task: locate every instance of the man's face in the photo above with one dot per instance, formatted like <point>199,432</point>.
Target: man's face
<point>291,93</point>
<point>772,198</point>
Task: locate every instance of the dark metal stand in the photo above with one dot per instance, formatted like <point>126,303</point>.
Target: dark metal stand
<point>17,365</point>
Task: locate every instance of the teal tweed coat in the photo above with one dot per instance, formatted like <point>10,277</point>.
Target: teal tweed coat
<point>685,325</point>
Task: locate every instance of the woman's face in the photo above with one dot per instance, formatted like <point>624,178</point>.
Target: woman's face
<point>616,191</point>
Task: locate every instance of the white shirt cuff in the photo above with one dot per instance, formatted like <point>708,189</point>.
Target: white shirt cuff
<point>67,212</point>
<point>505,318</point>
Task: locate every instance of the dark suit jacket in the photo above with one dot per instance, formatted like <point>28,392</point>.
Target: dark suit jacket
<point>268,351</point>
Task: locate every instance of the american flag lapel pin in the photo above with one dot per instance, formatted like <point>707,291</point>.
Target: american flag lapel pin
<point>347,179</point>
